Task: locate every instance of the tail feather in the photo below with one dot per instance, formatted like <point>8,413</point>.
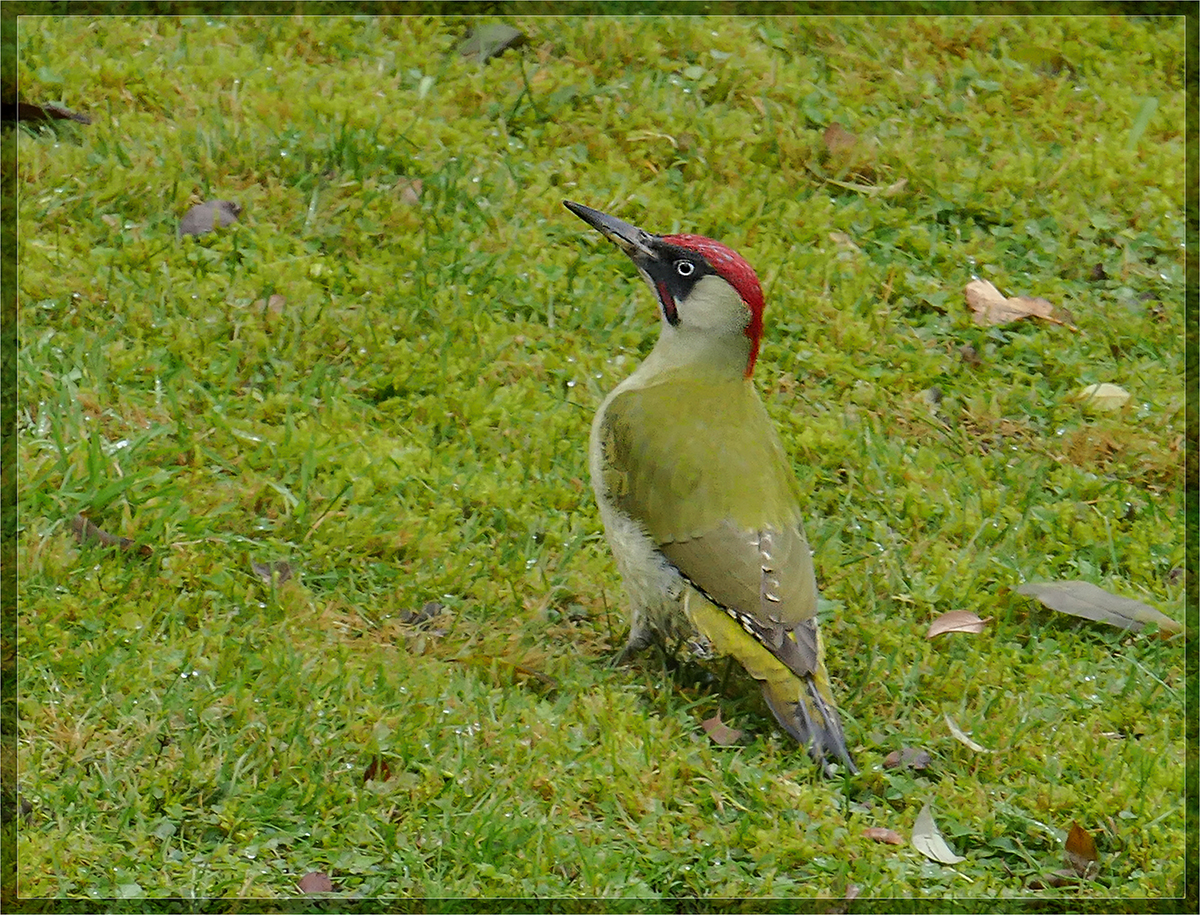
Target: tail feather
<point>807,713</point>
<point>800,699</point>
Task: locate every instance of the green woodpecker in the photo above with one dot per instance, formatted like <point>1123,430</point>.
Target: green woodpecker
<point>698,500</point>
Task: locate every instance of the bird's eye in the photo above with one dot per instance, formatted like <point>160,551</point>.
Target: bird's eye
<point>685,268</point>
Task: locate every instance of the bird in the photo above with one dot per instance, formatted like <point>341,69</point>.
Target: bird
<point>699,501</point>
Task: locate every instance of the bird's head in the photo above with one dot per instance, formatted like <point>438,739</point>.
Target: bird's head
<point>706,291</point>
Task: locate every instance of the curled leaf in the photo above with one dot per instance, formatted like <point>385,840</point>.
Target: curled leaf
<point>87,532</point>
<point>957,621</point>
<point>47,111</point>
<point>377,770</point>
<point>719,732</point>
<point>273,572</point>
<point>879,834</point>
<point>907,757</point>
<point>990,306</point>
<point>1103,396</point>
<point>1080,850</point>
<point>962,738</point>
<point>429,610</point>
<point>1084,599</point>
<point>928,841</point>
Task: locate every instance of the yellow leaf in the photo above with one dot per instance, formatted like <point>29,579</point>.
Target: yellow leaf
<point>1103,396</point>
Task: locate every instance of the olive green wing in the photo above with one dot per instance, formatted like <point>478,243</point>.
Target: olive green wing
<point>723,509</point>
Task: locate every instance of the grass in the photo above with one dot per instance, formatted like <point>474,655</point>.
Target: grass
<point>405,428</point>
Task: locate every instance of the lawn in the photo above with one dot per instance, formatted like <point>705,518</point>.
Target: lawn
<point>366,620</point>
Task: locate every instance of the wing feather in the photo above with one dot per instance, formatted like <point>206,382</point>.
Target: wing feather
<point>725,513</point>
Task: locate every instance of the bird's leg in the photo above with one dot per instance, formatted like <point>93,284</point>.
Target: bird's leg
<point>639,638</point>
<point>728,671</point>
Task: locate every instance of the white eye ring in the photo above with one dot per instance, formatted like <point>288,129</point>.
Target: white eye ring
<point>685,268</point>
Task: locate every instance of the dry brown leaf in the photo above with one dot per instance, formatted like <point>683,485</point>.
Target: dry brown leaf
<point>410,191</point>
<point>316,882</point>
<point>719,732</point>
<point>1054,879</point>
<point>989,306</point>
<point>27,111</point>
<point>429,610</point>
<point>1080,851</point>
<point>907,757</point>
<point>957,621</point>
<point>87,532</point>
<point>1084,599</point>
<point>879,834</point>
<point>274,304</point>
<point>207,216</point>
<point>377,770</point>
<point>838,139</point>
<point>269,572</point>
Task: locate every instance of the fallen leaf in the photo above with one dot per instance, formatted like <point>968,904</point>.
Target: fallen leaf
<point>1084,599</point>
<point>87,532</point>
<point>842,240</point>
<point>316,882</point>
<point>1080,851</point>
<point>488,41</point>
<point>957,621</point>
<point>907,757</point>
<point>410,191</point>
<point>1103,396</point>
<point>879,834</point>
<point>274,304</point>
<point>27,111</point>
<point>428,611</point>
<point>838,139</point>
<point>273,572</point>
<point>205,217</point>
<point>989,306</point>
<point>719,732</point>
<point>377,770</point>
<point>1054,879</point>
<point>962,738</point>
<point>928,841</point>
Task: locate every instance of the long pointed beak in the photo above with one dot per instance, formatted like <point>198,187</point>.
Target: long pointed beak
<point>632,240</point>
